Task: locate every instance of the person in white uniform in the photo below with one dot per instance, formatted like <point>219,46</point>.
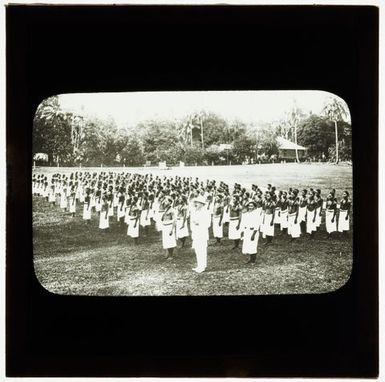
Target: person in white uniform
<point>200,232</point>
<point>250,231</point>
<point>330,215</point>
<point>168,220</point>
<point>343,218</point>
<point>182,231</point>
<point>217,218</point>
<point>294,229</point>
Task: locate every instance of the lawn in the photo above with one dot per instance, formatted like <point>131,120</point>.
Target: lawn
<point>73,258</point>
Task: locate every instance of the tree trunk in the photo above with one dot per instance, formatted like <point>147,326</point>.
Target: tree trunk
<point>201,131</point>
<point>295,138</point>
<point>336,129</point>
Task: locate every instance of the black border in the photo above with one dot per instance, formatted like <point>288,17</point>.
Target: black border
<point>61,49</point>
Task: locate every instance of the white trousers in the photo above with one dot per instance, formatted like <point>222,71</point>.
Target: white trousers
<point>200,248</point>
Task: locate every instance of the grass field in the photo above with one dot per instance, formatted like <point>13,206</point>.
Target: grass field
<point>71,257</point>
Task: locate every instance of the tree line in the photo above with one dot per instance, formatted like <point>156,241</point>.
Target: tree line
<point>71,139</point>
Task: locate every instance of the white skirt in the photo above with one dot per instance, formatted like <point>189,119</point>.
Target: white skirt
<point>234,233</point>
<point>86,212</point>
<point>132,229</point>
<point>226,216</point>
<point>98,205</point>
<point>120,212</point>
<point>249,246</point>
<point>283,220</point>
<point>110,210</point>
<point>127,216</point>
<point>181,232</point>
<point>73,207</point>
<point>277,216</point>
<point>294,229</point>
<point>310,225</point>
<point>330,227</point>
<point>259,217</point>
<point>145,218</point>
<point>302,214</point>
<point>51,197</point>
<point>343,224</point>
<point>63,201</point>
<point>158,220</point>
<point>217,229</point>
<point>267,228</point>
<point>151,213</point>
<point>103,220</point>
<point>168,241</point>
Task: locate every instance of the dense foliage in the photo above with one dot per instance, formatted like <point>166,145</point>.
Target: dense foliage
<point>202,138</point>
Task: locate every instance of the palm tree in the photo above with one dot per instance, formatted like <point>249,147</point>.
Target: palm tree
<point>185,131</point>
<point>293,119</point>
<point>335,111</point>
<point>51,113</point>
<point>77,134</point>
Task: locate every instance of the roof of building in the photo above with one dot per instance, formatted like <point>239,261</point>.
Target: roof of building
<point>285,144</point>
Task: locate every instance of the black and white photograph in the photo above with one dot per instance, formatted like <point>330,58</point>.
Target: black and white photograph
<point>192,193</point>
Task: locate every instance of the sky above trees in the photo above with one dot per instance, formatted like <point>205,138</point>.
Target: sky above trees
<point>70,137</point>
<point>129,109</point>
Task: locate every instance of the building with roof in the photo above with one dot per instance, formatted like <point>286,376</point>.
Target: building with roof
<point>286,149</point>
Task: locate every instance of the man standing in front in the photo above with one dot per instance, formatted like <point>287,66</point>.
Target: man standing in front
<point>200,232</point>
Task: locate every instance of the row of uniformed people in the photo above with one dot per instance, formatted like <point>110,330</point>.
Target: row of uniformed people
<point>274,207</point>
<point>247,213</point>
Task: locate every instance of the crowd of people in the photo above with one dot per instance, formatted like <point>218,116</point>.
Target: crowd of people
<point>180,207</point>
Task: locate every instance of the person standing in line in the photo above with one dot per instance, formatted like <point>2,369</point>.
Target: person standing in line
<point>199,233</point>
<point>87,207</point>
<point>268,218</point>
<point>302,210</point>
<point>283,213</point>
<point>145,213</point>
<point>311,215</point>
<point>103,217</point>
<point>160,205</point>
<point>168,221</point>
<point>259,207</point>
<point>127,209</point>
<point>226,209</point>
<point>121,207</point>
<point>294,229</point>
<point>235,221</point>
<point>217,218</point>
<point>210,205</point>
<point>181,223</point>
<point>343,218</point>
<point>72,203</point>
<point>52,196</point>
<point>277,199</point>
<point>319,203</point>
<point>133,223</point>
<point>98,202</point>
<point>330,216</point>
<point>63,197</point>
<point>151,201</point>
<point>250,231</point>
<point>110,202</point>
